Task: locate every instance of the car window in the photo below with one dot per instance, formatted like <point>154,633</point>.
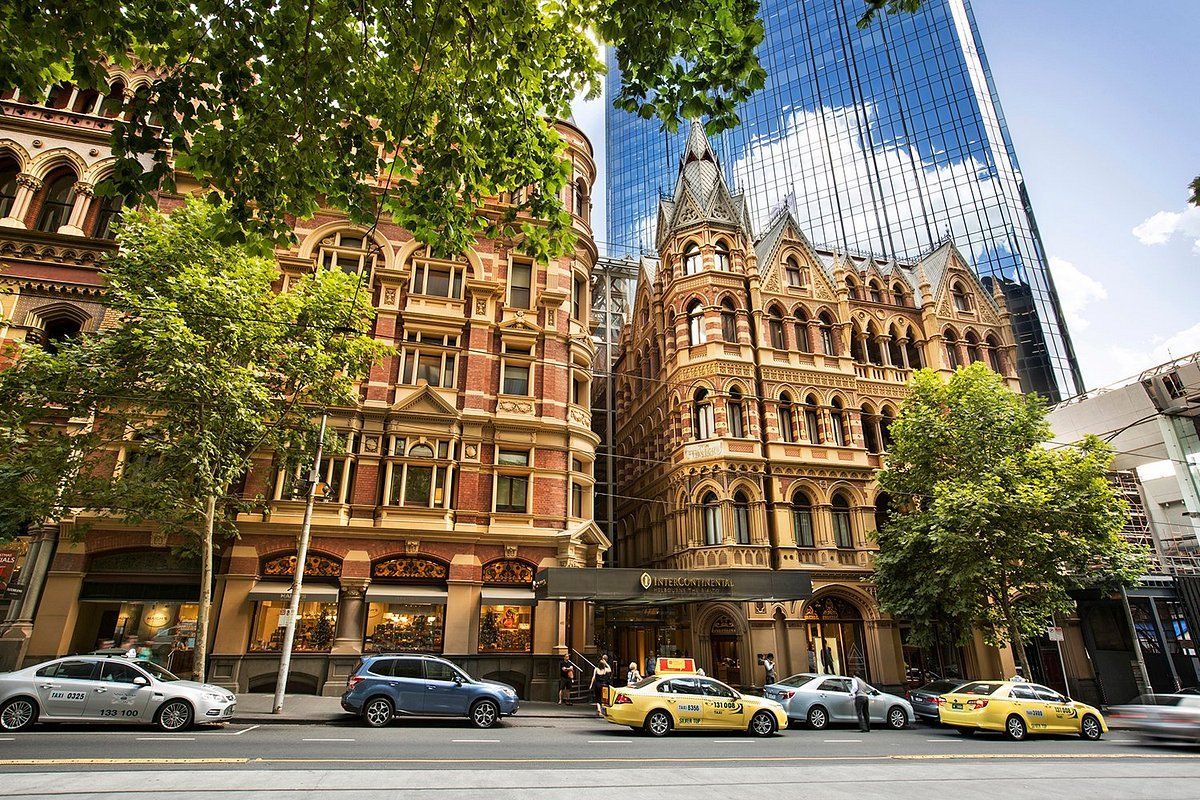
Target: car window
<point>834,685</point>
<point>665,686</point>
<point>159,673</point>
<point>77,670</point>
<point>979,687</point>
<point>47,671</point>
<point>381,667</point>
<point>409,668</point>
<point>939,687</point>
<point>684,686</point>
<point>1047,694</point>
<point>797,680</point>
<point>714,689</point>
<point>1022,693</point>
<point>644,682</point>
<point>440,671</point>
<point>116,672</point>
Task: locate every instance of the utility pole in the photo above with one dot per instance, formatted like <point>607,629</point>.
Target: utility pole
<point>289,630</point>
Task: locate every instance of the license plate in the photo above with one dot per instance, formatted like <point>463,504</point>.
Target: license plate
<point>956,706</point>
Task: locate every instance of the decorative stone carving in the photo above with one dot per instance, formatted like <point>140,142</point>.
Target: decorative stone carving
<point>371,444</point>
<point>316,565</point>
<point>412,546</point>
<point>389,296</point>
<point>410,567</point>
<point>508,571</point>
<point>510,551</point>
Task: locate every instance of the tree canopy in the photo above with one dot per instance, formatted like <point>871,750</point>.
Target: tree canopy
<point>992,529</point>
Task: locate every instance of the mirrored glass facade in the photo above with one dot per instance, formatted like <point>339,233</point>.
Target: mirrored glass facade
<point>884,141</point>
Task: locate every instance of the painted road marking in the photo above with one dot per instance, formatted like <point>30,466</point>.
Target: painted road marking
<point>948,740</point>
<point>129,733</point>
<point>1011,756</point>
<point>7,739</point>
<point>166,738</point>
<point>327,740</point>
<point>841,741</point>
<point>610,741</point>
<point>475,741</point>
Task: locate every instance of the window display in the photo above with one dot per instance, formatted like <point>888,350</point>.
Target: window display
<point>505,629</point>
<point>401,627</point>
<point>316,624</point>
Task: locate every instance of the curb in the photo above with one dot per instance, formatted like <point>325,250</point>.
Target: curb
<point>272,719</point>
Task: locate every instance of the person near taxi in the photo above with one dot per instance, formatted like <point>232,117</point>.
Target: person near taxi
<point>769,668</point>
<point>601,678</point>
<point>632,676</point>
<point>862,704</point>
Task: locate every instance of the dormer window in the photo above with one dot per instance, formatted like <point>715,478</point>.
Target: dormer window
<point>962,300</point>
<point>791,270</point>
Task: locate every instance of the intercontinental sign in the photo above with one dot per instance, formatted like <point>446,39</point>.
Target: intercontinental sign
<point>657,586</point>
<point>685,585</point>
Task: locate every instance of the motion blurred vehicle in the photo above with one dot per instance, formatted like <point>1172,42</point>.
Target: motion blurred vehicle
<point>112,689</point>
<point>925,700</point>
<point>1018,709</point>
<point>385,686</point>
<point>1160,717</point>
<point>820,700</point>
<point>686,700</point>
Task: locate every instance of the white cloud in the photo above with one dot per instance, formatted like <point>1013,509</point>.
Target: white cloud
<point>1166,225</point>
<point>1076,291</point>
<point>1107,365</point>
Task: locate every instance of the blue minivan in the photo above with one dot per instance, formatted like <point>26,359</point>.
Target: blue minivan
<point>387,685</point>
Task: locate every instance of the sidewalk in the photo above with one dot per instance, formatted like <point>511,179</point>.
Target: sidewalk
<point>307,709</point>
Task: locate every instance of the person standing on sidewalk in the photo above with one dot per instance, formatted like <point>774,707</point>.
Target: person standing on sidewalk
<point>601,679</point>
<point>769,667</point>
<point>632,676</point>
<point>862,704</point>
<point>566,680</point>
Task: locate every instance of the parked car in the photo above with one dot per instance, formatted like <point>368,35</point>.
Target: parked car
<point>819,700</point>
<point>112,689</point>
<point>689,701</point>
<point>1160,717</point>
<point>385,686</point>
<point>925,700</point>
<point>1017,709</point>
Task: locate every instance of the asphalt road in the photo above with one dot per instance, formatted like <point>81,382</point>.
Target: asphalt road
<point>532,759</point>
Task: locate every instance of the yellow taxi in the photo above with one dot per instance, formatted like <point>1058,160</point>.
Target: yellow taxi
<point>1017,709</point>
<point>679,697</point>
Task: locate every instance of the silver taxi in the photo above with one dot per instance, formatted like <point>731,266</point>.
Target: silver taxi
<point>110,689</point>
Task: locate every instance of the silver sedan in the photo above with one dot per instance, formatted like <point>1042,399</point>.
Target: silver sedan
<point>110,689</point>
<point>819,700</point>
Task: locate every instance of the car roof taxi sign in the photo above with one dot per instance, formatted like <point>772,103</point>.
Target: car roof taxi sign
<point>672,666</point>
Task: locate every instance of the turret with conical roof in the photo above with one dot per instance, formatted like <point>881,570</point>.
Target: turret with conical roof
<point>702,196</point>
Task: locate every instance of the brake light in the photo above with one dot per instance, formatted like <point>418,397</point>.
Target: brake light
<point>941,701</point>
<point>621,699</point>
<point>353,680</point>
<point>977,704</point>
<point>787,694</point>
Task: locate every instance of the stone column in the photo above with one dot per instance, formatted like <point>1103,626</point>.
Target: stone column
<point>83,198</point>
<point>27,188</point>
<point>885,351</point>
<point>352,608</point>
<point>903,343</point>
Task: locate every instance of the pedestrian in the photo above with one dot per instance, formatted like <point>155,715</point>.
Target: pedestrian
<point>650,666</point>
<point>769,666</point>
<point>601,678</point>
<point>700,672</point>
<point>632,676</point>
<point>862,704</point>
<point>827,659</point>
<point>566,680</point>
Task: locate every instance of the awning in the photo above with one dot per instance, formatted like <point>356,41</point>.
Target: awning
<point>659,586</point>
<point>417,595</point>
<point>309,593</point>
<point>499,596</point>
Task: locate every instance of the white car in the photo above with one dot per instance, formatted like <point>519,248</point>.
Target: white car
<point>110,689</point>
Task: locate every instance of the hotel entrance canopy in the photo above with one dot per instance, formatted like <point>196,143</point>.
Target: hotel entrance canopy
<point>657,586</point>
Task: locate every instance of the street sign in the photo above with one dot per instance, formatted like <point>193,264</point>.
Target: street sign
<point>1055,633</point>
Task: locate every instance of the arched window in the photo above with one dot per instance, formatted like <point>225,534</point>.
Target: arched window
<point>950,338</point>
<point>736,412</point>
<point>825,325</point>
<point>113,102</point>
<point>899,295</point>
<point>870,431</point>
<point>57,198</point>
<point>85,101</point>
<point>852,288</point>
<point>695,315</point>
<point>722,256</point>
<point>702,415</point>
<point>802,521</point>
<point>109,212</point>
<point>58,330</point>
<point>973,353</point>
<point>691,259</point>
<point>350,252</point>
<point>874,348</point>
<point>843,532</point>
<point>9,170</point>
<point>712,519</point>
<point>883,510</point>
<point>581,198</point>
<point>995,357</point>
<point>741,518</point>
<point>912,349</point>
<point>775,328</point>
<point>837,422</point>
<point>876,292</point>
<point>802,343</point>
<point>60,95</point>
<point>791,270</point>
<point>895,348</point>
<point>962,301</point>
<point>857,352</point>
<point>812,422</point>
<point>886,417</point>
<point>728,321</point>
<point>787,419</point>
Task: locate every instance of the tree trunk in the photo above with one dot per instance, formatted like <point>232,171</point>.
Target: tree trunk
<point>1015,640</point>
<point>202,613</point>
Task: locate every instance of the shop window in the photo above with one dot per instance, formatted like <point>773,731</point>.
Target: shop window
<point>512,481</point>
<point>437,278</point>
<point>316,624</point>
<point>520,284</point>
<point>404,628</point>
<point>430,358</point>
<point>420,473</point>
<point>57,199</point>
<point>505,629</point>
<point>802,522</point>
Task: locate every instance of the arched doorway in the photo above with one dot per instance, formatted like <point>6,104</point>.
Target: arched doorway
<point>836,640</point>
<point>726,650</point>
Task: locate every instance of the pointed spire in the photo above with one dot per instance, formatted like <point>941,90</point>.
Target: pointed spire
<point>698,148</point>
<point>923,285</point>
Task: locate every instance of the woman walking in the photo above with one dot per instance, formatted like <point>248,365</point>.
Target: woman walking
<point>601,679</point>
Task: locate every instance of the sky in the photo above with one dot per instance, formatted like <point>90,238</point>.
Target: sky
<point>1102,102</point>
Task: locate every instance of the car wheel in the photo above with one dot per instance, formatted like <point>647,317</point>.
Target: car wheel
<point>763,724</point>
<point>1014,728</point>
<point>484,714</point>
<point>1090,729</point>
<point>818,718</point>
<point>378,712</point>
<point>658,723</point>
<point>966,731</point>
<point>18,714</point>
<point>175,715</point>
<point>896,718</point>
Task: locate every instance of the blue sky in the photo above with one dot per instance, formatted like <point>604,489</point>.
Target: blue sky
<point>1103,104</point>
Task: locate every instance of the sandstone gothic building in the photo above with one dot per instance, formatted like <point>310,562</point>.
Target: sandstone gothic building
<point>468,461</point>
<point>757,381</point>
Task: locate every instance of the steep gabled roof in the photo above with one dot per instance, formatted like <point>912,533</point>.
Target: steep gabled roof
<point>701,193</point>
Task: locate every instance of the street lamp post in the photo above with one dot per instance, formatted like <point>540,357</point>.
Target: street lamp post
<point>289,629</point>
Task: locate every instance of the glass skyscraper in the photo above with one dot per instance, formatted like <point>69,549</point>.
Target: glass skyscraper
<point>885,141</point>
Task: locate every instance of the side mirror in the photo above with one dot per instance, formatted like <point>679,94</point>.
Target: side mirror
<point>140,681</point>
<point>458,680</point>
<point>875,693</point>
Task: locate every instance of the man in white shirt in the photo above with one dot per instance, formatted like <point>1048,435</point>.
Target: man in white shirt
<point>862,704</point>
